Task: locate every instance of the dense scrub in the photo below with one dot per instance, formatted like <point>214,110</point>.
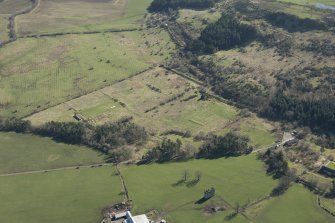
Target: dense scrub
<point>292,23</point>
<point>224,34</point>
<point>162,5</point>
<point>276,164</point>
<point>103,138</point>
<point>316,112</point>
<point>232,144</point>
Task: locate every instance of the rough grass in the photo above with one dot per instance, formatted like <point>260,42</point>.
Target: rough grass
<point>331,165</point>
<point>296,205</point>
<point>310,2</point>
<point>192,114</point>
<point>39,73</point>
<point>13,6</point>
<point>155,186</point>
<point>26,152</point>
<point>329,204</point>
<point>3,29</point>
<point>53,16</point>
<point>184,113</point>
<point>70,196</point>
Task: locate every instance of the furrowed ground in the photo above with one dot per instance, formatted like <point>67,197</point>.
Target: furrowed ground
<point>54,16</point>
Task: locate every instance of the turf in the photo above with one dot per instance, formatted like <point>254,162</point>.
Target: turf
<point>14,6</point>
<point>39,73</point>
<point>331,165</point>
<point>53,16</point>
<point>26,152</point>
<point>70,196</point>
<point>241,179</point>
<point>3,29</point>
<point>311,2</point>
<point>296,205</point>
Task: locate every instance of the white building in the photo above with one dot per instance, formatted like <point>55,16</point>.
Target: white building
<point>136,219</point>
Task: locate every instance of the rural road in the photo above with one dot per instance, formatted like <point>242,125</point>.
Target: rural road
<point>57,169</point>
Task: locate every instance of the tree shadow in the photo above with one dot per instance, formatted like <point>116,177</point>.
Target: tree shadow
<point>178,183</point>
<point>192,183</point>
<point>201,200</point>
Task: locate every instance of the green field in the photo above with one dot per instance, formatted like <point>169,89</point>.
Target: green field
<point>328,203</point>
<point>331,165</point>
<point>52,16</point>
<point>297,205</point>
<point>184,113</point>
<point>13,6</point>
<point>39,73</point>
<point>240,180</point>
<point>311,2</point>
<point>26,152</point>
<point>3,28</point>
<point>70,196</point>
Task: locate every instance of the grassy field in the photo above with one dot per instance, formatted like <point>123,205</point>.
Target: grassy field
<point>70,196</point>
<point>310,2</point>
<point>38,73</point>
<point>13,6</point>
<point>53,16</point>
<point>26,152</point>
<point>331,165</point>
<point>329,204</point>
<point>155,186</point>
<point>196,19</point>
<point>296,205</point>
<point>3,28</point>
<point>186,113</point>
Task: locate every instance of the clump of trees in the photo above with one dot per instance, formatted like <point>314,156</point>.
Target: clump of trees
<point>315,112</point>
<point>232,144</point>
<point>163,5</point>
<point>284,183</point>
<point>169,150</point>
<point>224,34</point>
<point>104,137</point>
<point>275,161</point>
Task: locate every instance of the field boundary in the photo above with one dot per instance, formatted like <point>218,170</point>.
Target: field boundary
<point>94,90</point>
<point>56,169</point>
<point>12,24</point>
<point>78,33</point>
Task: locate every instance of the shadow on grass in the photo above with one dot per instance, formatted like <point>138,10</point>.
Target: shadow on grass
<point>201,201</point>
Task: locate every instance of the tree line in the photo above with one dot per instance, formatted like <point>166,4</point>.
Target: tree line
<point>163,5</point>
<point>214,146</point>
<point>315,112</point>
<point>104,137</point>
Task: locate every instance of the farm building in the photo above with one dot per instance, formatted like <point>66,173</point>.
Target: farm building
<point>132,219</point>
<point>209,193</point>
